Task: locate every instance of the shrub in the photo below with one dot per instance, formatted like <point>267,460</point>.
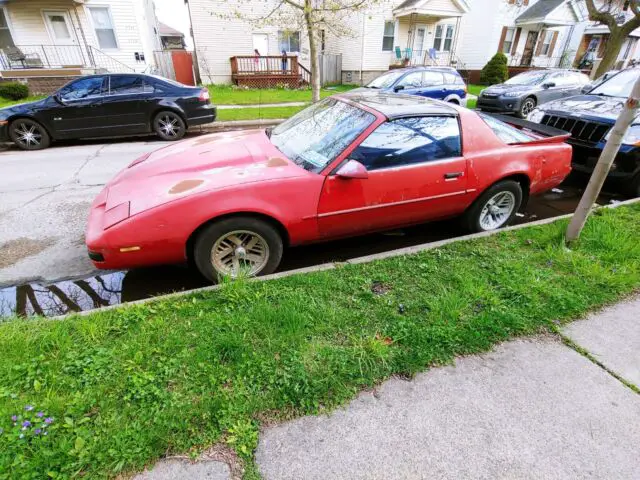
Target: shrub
<point>14,90</point>
<point>495,71</point>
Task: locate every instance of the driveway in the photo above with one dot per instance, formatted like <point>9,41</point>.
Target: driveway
<point>44,201</point>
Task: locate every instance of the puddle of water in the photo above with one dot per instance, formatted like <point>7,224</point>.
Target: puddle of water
<point>70,296</point>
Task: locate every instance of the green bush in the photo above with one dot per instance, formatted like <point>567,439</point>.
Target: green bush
<point>14,90</point>
<point>495,71</point>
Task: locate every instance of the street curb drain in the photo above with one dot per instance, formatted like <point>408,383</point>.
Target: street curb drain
<point>353,261</point>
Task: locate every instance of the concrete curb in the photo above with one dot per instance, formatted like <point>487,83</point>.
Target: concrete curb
<point>263,105</point>
<point>239,124</point>
<point>353,261</point>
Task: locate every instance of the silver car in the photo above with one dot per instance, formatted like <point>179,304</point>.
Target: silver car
<point>523,92</point>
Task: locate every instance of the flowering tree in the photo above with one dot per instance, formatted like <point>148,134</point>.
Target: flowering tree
<point>310,15</point>
<point>615,14</point>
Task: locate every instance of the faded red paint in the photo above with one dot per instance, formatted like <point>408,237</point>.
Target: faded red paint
<point>179,188</point>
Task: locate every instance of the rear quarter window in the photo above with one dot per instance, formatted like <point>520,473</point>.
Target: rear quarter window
<point>504,131</point>
<point>453,79</point>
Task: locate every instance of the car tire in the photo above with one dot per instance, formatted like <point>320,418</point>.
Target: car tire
<point>169,125</point>
<point>527,107</point>
<point>504,196</point>
<point>238,246</point>
<point>28,134</point>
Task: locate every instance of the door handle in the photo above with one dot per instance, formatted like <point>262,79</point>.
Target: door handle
<point>452,175</point>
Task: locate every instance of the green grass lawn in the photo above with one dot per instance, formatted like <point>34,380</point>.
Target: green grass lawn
<point>125,387</point>
<point>4,102</point>
<point>228,114</point>
<point>475,89</point>
<point>230,95</point>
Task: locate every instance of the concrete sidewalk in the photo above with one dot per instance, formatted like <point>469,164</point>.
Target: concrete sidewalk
<point>532,408</point>
<point>264,105</point>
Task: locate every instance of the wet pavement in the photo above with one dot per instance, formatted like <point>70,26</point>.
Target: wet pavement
<point>67,296</point>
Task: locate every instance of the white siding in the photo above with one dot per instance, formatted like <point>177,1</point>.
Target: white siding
<point>28,28</point>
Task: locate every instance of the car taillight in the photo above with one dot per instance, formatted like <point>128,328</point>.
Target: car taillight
<point>204,95</point>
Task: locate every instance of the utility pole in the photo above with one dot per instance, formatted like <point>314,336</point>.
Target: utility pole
<point>599,175</point>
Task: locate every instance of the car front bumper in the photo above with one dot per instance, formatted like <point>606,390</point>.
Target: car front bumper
<point>625,168</point>
<point>499,104</point>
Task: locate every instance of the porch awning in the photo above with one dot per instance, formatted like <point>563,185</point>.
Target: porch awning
<point>432,8</point>
<point>548,13</point>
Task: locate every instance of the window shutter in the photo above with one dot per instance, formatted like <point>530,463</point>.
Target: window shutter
<point>502,37</point>
<point>553,43</point>
<point>602,46</point>
<point>540,42</point>
<point>514,46</point>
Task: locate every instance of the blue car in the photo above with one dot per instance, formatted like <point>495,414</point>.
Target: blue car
<point>442,83</point>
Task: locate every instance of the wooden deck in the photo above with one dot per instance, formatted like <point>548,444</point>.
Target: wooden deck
<point>268,72</point>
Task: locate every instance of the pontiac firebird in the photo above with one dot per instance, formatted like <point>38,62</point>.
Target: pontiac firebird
<point>348,165</point>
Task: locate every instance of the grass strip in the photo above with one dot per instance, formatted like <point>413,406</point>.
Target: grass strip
<point>229,114</point>
<point>232,95</point>
<point>127,386</point>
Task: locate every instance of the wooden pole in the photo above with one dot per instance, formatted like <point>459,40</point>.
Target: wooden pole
<point>608,155</point>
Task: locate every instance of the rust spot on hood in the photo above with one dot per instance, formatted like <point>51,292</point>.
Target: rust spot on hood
<point>277,162</point>
<point>185,185</point>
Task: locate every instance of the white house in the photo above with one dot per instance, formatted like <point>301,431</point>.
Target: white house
<point>76,36</point>
<point>461,33</point>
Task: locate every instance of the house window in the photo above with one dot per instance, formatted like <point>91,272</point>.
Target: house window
<point>508,40</point>
<point>6,40</point>
<point>387,36</point>
<point>288,41</point>
<point>102,24</point>
<point>447,32</point>
<point>546,44</point>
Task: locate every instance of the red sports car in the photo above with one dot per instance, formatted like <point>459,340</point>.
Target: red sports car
<point>348,165</point>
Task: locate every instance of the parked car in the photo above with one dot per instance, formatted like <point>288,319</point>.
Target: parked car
<point>442,83</point>
<point>521,93</point>
<point>348,165</point>
<point>589,119</point>
<point>106,106</point>
<point>598,81</point>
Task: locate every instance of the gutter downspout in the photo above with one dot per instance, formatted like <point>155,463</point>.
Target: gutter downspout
<point>364,20</point>
<point>84,38</point>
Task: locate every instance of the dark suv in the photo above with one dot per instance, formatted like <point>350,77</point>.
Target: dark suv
<point>521,93</point>
<point>589,118</point>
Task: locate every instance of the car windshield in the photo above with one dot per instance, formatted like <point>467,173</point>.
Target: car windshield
<point>386,80</point>
<point>314,137</point>
<point>527,78</point>
<point>619,85</point>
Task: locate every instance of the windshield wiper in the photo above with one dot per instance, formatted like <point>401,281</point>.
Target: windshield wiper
<point>371,86</point>
<point>268,131</point>
<point>601,94</point>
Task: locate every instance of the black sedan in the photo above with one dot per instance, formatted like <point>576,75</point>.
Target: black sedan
<point>107,106</point>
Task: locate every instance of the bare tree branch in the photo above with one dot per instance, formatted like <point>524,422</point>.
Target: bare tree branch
<point>598,16</point>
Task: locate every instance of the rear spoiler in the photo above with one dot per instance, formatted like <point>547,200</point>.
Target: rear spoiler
<point>551,134</point>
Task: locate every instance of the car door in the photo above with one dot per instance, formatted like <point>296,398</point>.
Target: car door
<point>454,85</point>
<point>555,90</point>
<point>410,84</point>
<point>78,110</point>
<point>127,104</point>
<point>575,82</point>
<point>416,172</point>
<point>433,85</point>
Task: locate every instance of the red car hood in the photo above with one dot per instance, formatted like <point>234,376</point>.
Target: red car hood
<point>208,162</point>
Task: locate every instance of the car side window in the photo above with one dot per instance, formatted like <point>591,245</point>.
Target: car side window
<point>451,79</point>
<point>561,79</point>
<point>128,85</point>
<point>412,80</point>
<point>505,132</point>
<point>409,141</point>
<point>82,89</point>
<point>430,78</point>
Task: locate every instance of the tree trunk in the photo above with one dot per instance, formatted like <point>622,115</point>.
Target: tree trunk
<point>611,51</point>
<point>315,64</point>
<point>601,171</point>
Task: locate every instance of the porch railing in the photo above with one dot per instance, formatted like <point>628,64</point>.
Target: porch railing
<point>43,56</point>
<point>526,60</point>
<point>264,65</point>
<point>422,57</point>
<point>106,63</point>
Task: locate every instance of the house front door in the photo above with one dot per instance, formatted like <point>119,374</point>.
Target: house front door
<point>418,47</point>
<point>261,43</point>
<point>64,50</point>
<point>527,55</point>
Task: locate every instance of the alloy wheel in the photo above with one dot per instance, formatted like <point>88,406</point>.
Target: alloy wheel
<point>169,125</point>
<point>527,107</point>
<point>28,135</point>
<point>497,210</point>
<point>240,253</point>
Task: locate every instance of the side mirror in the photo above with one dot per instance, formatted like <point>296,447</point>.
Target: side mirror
<point>397,88</point>
<point>586,89</point>
<point>58,98</point>
<point>548,85</point>
<point>353,169</point>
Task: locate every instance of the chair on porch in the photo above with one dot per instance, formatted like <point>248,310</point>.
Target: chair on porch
<point>26,60</point>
